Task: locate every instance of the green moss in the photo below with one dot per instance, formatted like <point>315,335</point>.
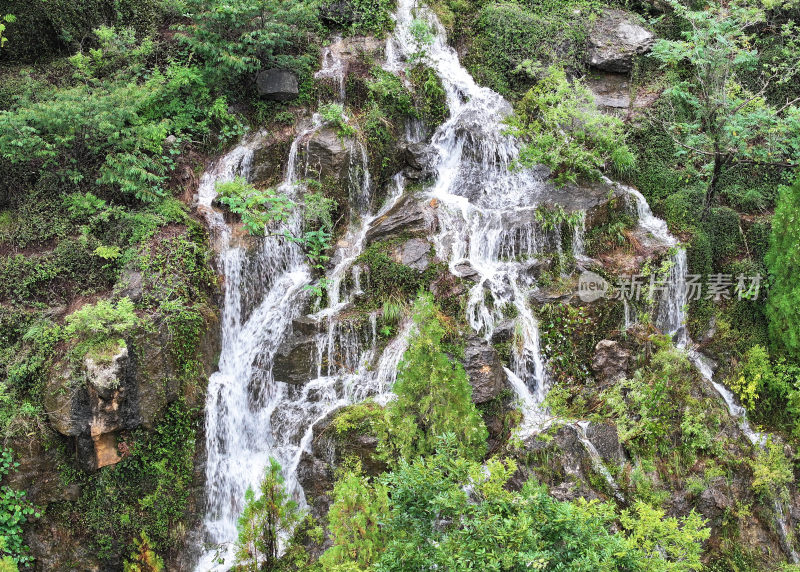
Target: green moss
<point>508,36</point>
<point>148,491</point>
<point>430,97</point>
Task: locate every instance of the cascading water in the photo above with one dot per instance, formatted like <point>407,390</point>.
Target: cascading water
<point>251,416</point>
<point>486,211</point>
<point>671,317</point>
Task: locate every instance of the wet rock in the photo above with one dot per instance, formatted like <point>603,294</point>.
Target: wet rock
<point>466,271</point>
<point>560,461</point>
<point>605,438</point>
<point>419,160</point>
<point>409,216</point>
<point>610,361</point>
<point>612,93</point>
<point>327,155</point>
<point>615,38</point>
<point>92,405</point>
<point>278,85</point>
<point>295,361</point>
<point>413,253</point>
<point>269,157</point>
<point>316,470</point>
<point>715,500</point>
<point>503,332</point>
<point>484,368</point>
<point>598,199</point>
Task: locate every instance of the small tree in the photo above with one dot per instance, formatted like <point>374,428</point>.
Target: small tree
<point>356,520</point>
<point>144,558</point>
<point>264,521</point>
<point>434,396</point>
<point>716,121</point>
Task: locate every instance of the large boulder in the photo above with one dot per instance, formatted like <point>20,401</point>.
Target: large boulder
<point>415,253</point>
<point>409,216</point>
<point>484,368</point>
<point>610,361</point>
<point>615,38</point>
<point>327,155</point>
<point>278,85</point>
<point>98,401</point>
<point>295,361</point>
<point>419,160</point>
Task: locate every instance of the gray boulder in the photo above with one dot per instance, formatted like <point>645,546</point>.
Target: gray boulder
<point>326,154</point>
<point>484,368</point>
<point>610,361</point>
<point>614,40</point>
<point>278,85</point>
<point>295,359</point>
<point>409,216</point>
<point>413,253</point>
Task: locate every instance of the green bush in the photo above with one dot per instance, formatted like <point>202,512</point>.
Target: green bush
<point>237,37</point>
<point>562,129</point>
<point>15,510</point>
<point>783,304</point>
<point>264,521</point>
<point>445,512</point>
<point>509,36</point>
<point>96,324</point>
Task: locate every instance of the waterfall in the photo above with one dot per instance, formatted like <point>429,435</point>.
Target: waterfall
<point>251,416</point>
<point>671,317</point>
<point>486,211</point>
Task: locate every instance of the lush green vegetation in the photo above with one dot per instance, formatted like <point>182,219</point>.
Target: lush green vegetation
<point>562,130</point>
<point>433,395</point>
<point>110,110</point>
<point>448,512</point>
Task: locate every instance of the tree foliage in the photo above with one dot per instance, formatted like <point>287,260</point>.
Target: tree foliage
<point>235,37</point>
<point>444,512</point>
<point>265,520</point>
<point>717,120</point>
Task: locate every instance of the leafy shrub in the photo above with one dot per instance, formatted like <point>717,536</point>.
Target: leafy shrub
<point>364,16</point>
<point>446,512</point>
<point>772,472</point>
<point>333,113</point>
<point>15,511</point>
<point>429,96</point>
<point>242,36</point>
<point>94,325</point>
<point>648,407</point>
<point>783,304</point>
<point>561,129</point>
<point>144,558</point>
<point>508,36</point>
<point>258,209</point>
